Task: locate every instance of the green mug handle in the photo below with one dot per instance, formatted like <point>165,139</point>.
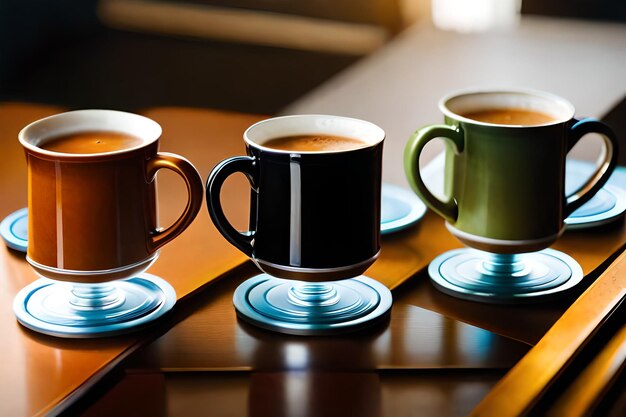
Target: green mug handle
<point>449,209</point>
<point>607,161</point>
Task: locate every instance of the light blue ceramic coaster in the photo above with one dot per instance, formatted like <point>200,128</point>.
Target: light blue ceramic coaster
<point>312,308</point>
<point>492,278</point>
<point>14,230</point>
<point>71,310</point>
<point>608,205</point>
<point>400,209</point>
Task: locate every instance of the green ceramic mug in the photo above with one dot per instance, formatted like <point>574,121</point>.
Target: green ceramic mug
<point>504,180</point>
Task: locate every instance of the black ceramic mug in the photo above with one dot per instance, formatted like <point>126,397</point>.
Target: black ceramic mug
<point>314,215</point>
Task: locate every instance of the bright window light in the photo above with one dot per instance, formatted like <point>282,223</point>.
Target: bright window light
<point>475,15</point>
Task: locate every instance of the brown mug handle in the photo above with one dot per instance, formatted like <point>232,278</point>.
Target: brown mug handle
<point>195,191</point>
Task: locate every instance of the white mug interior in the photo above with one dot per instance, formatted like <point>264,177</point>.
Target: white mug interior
<point>554,106</point>
<point>39,132</point>
<point>312,124</point>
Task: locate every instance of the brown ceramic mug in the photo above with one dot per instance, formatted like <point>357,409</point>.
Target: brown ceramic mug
<point>92,213</point>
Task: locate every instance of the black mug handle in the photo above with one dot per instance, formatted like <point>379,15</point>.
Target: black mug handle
<point>247,166</point>
<point>605,166</point>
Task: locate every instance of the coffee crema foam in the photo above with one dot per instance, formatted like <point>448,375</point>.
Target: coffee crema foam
<point>314,143</point>
<point>510,116</point>
<point>91,142</point>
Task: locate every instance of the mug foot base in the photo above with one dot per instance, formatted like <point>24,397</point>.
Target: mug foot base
<point>504,279</point>
<point>74,310</point>
<point>312,308</point>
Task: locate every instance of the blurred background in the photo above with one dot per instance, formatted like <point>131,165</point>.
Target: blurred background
<point>253,56</point>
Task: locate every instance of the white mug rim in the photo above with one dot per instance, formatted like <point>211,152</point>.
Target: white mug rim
<point>150,137</point>
<point>377,132</point>
<point>443,106</point>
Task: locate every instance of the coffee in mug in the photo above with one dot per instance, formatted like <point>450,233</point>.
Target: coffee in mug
<point>91,142</point>
<point>314,143</point>
<point>509,116</point>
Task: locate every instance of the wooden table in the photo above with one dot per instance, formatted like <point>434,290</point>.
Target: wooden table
<point>436,356</point>
<point>41,374</point>
<point>433,343</point>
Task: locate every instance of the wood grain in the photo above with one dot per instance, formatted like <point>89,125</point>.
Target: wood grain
<point>520,389</point>
<point>294,394</point>
<point>39,372</point>
<point>213,339</point>
<point>42,373</point>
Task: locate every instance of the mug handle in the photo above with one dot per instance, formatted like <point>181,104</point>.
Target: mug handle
<point>193,181</point>
<point>606,165</point>
<point>247,166</point>
<point>449,209</point>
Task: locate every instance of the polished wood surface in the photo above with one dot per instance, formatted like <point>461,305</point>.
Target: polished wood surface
<point>438,355</point>
<point>213,339</point>
<point>39,373</point>
<point>295,394</point>
<point>521,388</point>
<point>428,330</point>
<point>210,363</point>
<point>586,391</point>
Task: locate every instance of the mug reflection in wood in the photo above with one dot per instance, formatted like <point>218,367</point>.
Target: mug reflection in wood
<point>92,195</point>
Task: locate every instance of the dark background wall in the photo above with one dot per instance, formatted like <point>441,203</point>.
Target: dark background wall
<point>59,52</point>
<point>613,10</point>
